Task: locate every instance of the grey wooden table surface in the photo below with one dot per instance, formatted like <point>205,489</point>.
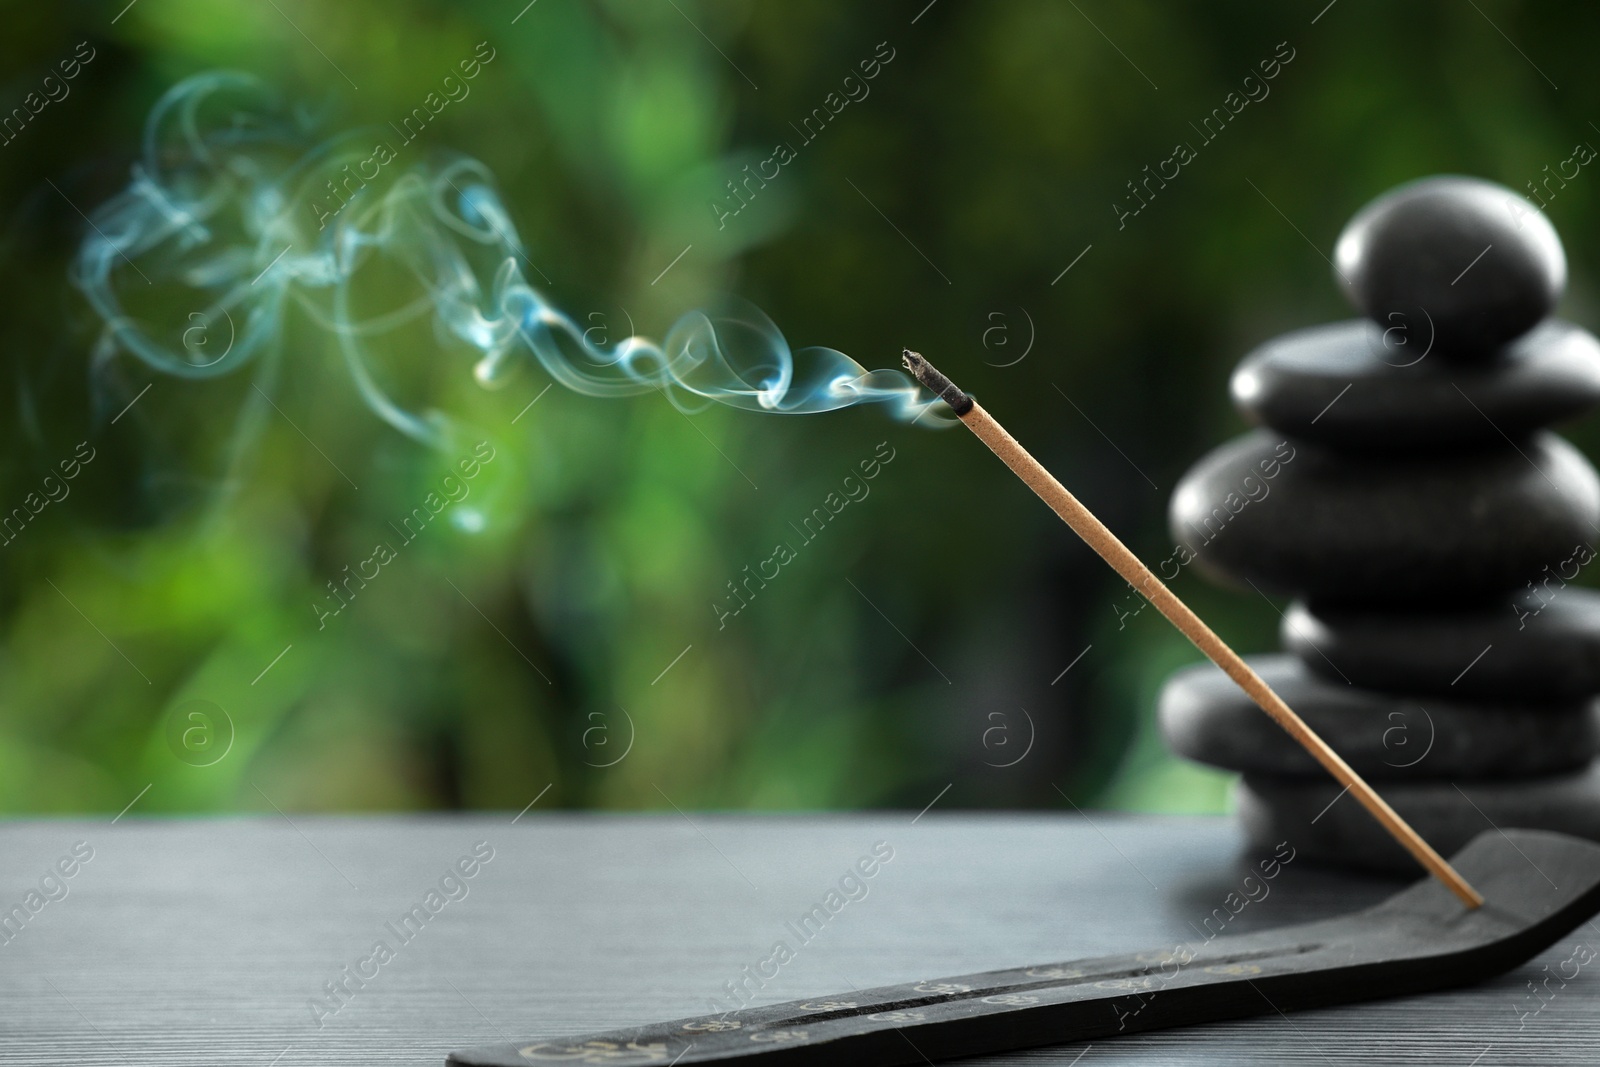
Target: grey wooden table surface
<point>209,941</point>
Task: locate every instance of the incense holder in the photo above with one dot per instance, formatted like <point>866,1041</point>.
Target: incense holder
<point>1537,888</point>
<point>1405,488</point>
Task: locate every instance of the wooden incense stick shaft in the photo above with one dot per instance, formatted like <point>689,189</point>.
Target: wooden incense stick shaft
<point>1113,551</point>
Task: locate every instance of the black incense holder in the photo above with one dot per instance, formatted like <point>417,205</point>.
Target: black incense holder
<point>1537,885</point>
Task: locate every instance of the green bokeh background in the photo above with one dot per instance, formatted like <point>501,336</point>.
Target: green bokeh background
<point>939,212</point>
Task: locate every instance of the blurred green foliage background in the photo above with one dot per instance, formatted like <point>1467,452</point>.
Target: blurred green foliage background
<point>575,621</point>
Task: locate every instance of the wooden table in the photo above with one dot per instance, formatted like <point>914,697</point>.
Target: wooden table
<point>206,941</point>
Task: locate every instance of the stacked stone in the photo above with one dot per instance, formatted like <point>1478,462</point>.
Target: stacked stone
<point>1403,487</point>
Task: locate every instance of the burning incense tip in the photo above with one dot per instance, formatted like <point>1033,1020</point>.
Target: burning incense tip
<point>937,383</point>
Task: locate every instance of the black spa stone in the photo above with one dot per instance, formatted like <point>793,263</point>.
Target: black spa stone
<point>1540,646</point>
<point>1403,532</point>
<point>1330,828</point>
<point>1206,717</point>
<point>1459,262</point>
<point>1344,385</point>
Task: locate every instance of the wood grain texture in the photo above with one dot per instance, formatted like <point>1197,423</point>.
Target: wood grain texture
<point>205,941</point>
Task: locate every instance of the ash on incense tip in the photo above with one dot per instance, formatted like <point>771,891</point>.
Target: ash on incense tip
<point>937,383</point>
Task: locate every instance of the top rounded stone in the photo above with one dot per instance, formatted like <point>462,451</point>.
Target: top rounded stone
<point>1464,263</point>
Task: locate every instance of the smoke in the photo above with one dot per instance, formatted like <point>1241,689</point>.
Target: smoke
<point>231,220</point>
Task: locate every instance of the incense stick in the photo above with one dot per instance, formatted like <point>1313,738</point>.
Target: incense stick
<point>1124,562</point>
